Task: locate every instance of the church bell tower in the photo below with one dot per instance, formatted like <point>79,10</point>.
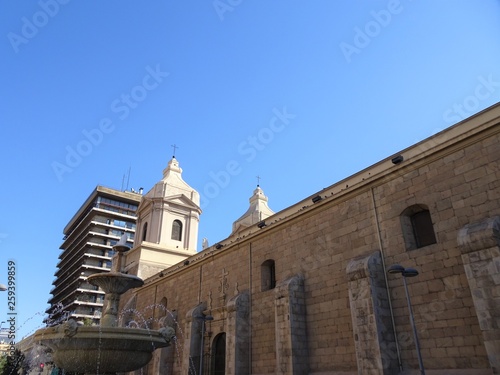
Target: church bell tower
<point>167,225</point>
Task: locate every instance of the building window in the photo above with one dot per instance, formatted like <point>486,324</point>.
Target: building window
<point>219,355</point>
<point>177,230</point>
<point>144,231</point>
<point>116,232</point>
<point>418,230</point>
<point>268,275</point>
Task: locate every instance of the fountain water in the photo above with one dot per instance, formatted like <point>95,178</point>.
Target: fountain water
<point>107,348</point>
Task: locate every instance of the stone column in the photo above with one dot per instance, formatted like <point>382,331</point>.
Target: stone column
<point>290,325</point>
<point>376,351</point>
<point>238,335</point>
<point>480,246</point>
<point>192,341</point>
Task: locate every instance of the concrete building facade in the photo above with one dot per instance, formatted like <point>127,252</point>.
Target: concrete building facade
<point>89,236</point>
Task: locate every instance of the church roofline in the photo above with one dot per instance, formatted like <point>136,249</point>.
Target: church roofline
<point>420,152</point>
<point>451,138</point>
<point>187,201</point>
<point>416,153</point>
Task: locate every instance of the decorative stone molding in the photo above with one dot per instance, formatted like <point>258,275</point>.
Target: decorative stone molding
<point>480,246</point>
<point>370,312</point>
<point>223,285</point>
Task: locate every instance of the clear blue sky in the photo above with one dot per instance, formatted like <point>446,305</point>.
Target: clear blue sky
<point>301,93</point>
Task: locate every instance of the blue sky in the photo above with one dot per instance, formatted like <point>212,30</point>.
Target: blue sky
<point>300,93</point>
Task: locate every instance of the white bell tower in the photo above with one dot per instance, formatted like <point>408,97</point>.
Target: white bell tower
<point>167,225</point>
<point>258,210</point>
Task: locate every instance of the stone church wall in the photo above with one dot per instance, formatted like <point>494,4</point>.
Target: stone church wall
<point>312,250</point>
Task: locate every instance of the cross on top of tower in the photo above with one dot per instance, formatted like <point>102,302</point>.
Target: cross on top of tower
<point>258,180</point>
<point>174,146</point>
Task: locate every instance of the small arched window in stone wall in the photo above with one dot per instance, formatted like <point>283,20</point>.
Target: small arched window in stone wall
<point>177,230</point>
<point>268,275</point>
<point>144,231</point>
<point>418,230</point>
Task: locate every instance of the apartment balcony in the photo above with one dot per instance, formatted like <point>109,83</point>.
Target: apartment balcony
<point>90,242</point>
<point>90,304</point>
<point>91,216</point>
<point>89,300</point>
<point>61,286</point>
<point>94,290</point>
<point>95,315</point>
<point>90,250</point>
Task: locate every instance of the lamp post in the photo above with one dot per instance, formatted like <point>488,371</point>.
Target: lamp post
<point>410,272</point>
<point>203,319</point>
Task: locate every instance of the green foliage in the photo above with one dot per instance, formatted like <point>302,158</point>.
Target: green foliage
<point>12,364</point>
<point>3,362</point>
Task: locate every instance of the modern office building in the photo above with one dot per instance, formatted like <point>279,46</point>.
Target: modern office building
<point>87,249</point>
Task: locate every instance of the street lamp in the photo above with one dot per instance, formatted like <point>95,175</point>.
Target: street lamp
<point>203,319</point>
<point>409,272</point>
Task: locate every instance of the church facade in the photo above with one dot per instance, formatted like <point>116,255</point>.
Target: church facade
<point>316,287</point>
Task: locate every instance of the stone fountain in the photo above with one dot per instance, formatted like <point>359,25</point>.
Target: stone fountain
<point>107,348</point>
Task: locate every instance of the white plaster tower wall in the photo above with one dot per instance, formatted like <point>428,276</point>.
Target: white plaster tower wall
<point>169,200</point>
<point>167,224</point>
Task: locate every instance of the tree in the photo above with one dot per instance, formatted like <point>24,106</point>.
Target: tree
<point>12,364</point>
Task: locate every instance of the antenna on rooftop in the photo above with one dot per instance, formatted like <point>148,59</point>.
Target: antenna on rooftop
<point>128,177</point>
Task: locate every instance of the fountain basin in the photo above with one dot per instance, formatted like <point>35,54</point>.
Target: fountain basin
<point>115,282</point>
<point>101,350</point>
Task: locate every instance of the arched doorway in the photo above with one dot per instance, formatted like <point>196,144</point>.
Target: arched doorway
<point>218,359</point>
